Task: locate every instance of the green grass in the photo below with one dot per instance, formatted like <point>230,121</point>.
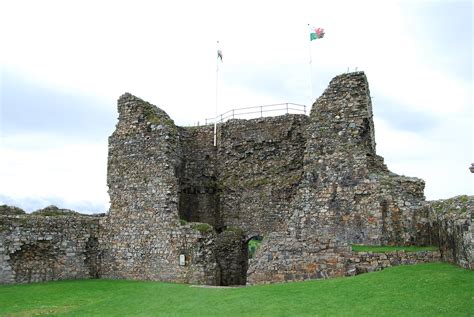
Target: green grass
<point>383,249</point>
<point>435,289</point>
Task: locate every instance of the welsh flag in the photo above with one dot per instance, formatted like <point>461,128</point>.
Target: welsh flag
<point>316,33</point>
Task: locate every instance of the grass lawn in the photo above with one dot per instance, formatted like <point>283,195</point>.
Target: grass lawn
<point>435,289</point>
<point>382,249</point>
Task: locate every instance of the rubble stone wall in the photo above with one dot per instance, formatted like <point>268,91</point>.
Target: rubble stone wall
<point>308,183</point>
<point>364,262</point>
<point>450,223</point>
<point>232,257</point>
<point>324,259</point>
<point>35,248</point>
<point>311,186</point>
<point>162,187</point>
<point>346,194</point>
<point>283,258</point>
<point>198,190</point>
<point>249,179</point>
<point>260,164</point>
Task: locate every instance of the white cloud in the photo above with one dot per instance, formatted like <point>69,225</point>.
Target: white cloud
<point>44,166</point>
<point>440,156</point>
<point>165,53</point>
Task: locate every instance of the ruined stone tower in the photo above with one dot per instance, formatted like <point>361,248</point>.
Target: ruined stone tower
<point>293,179</point>
<point>183,210</point>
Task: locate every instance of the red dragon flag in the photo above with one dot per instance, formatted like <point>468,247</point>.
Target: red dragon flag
<point>316,33</point>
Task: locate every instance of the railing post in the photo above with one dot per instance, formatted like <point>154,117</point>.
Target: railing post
<point>287,108</point>
<point>221,119</point>
<point>261,111</point>
<point>232,113</point>
<point>304,109</point>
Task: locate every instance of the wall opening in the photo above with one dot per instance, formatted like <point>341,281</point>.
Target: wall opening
<point>35,262</point>
<point>199,204</point>
<point>232,257</point>
<point>198,192</point>
<point>92,260</point>
<point>253,244</point>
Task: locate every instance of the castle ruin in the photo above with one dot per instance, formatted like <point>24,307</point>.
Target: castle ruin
<point>184,210</point>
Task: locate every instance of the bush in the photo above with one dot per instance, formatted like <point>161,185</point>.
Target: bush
<point>254,244</point>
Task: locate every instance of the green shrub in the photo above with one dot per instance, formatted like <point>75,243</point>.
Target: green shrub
<point>253,246</point>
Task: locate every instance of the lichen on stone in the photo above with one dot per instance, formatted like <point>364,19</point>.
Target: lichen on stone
<point>202,227</point>
<point>11,210</point>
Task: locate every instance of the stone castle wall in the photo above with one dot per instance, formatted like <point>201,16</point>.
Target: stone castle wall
<point>346,195</point>
<point>198,192</point>
<point>451,228</point>
<point>156,176</point>
<point>347,192</point>
<point>260,164</point>
<point>282,257</point>
<point>363,262</point>
<point>142,237</point>
<point>160,175</point>
<point>310,185</point>
<point>35,248</point>
<point>248,180</point>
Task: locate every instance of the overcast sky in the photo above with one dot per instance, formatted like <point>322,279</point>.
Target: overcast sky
<point>65,63</point>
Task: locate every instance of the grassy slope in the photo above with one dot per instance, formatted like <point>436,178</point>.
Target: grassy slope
<point>427,289</point>
<point>382,249</point>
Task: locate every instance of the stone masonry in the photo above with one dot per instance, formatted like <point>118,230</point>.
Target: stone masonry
<point>363,262</point>
<point>183,210</point>
<point>346,195</point>
<point>452,229</point>
<point>38,247</point>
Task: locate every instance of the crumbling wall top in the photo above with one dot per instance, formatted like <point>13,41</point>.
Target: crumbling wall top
<point>342,117</point>
<point>137,115</point>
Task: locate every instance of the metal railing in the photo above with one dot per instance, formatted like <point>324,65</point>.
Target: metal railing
<point>257,112</point>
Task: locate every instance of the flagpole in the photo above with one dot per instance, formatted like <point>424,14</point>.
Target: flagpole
<point>217,89</point>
